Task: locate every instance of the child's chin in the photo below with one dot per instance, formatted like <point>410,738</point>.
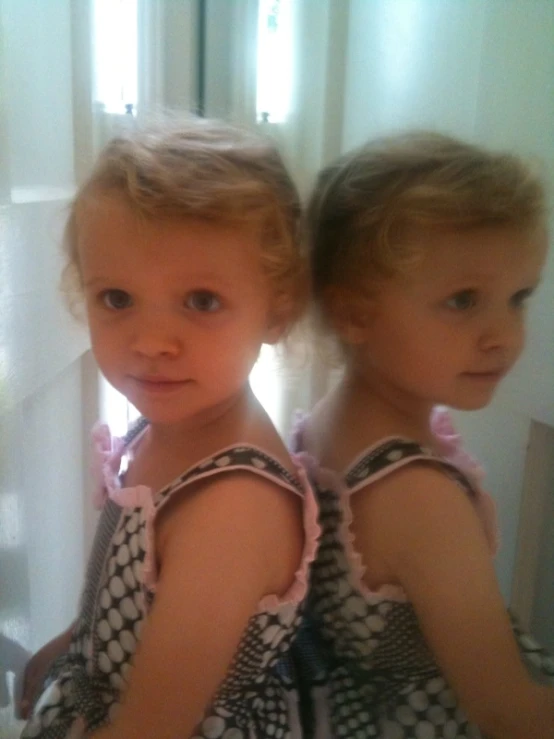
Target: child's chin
<point>472,404</point>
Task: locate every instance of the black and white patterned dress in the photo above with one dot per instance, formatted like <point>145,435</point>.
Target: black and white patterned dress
<point>83,688</point>
<point>373,673</point>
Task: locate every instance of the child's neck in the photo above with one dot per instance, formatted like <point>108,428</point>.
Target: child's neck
<point>167,450</point>
<point>213,427</point>
<point>386,407</point>
<point>358,413</point>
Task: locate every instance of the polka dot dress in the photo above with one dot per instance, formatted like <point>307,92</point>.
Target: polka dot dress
<point>381,679</point>
<point>85,685</point>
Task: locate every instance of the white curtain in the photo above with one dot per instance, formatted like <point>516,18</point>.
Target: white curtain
<point>43,400</point>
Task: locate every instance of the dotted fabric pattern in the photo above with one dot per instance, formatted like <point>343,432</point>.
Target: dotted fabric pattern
<point>87,682</point>
<point>382,680</point>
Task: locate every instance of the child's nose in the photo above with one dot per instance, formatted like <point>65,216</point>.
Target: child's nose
<point>156,335</point>
<point>504,330</point>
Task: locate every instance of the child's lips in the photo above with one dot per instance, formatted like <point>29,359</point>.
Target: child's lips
<point>489,375</point>
<point>159,383</point>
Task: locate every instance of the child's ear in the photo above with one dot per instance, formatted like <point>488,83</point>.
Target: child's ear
<point>350,315</point>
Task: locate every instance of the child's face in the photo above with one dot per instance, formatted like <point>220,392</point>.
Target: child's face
<point>450,330</point>
<point>177,309</point>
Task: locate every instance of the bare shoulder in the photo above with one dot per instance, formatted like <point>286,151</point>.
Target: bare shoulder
<point>416,492</point>
<point>414,510</point>
<point>254,520</point>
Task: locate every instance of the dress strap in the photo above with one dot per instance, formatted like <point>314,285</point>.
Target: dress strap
<point>393,453</point>
<point>234,458</point>
<point>257,461</point>
<point>135,430</point>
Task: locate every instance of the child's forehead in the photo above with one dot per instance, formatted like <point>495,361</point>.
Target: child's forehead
<point>480,252</point>
<point>479,241</point>
<point>96,207</point>
<point>114,240</point>
<point>109,212</point>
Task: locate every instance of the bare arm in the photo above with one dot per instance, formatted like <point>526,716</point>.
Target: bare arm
<point>425,535</point>
<point>222,548</point>
<point>36,669</point>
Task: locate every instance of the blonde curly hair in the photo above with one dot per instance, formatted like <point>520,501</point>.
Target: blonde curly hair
<point>363,203</point>
<point>195,167</point>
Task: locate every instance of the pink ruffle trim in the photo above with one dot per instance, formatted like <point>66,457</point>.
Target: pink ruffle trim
<point>329,480</point>
<point>450,443</point>
<point>451,446</point>
<point>312,531</point>
<point>106,463</point>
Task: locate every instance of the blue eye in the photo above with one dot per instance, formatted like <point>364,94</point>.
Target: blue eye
<point>116,299</point>
<point>463,300</point>
<point>203,301</point>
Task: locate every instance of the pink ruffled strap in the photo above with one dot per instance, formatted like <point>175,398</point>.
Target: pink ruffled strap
<point>312,531</point>
<point>107,452</point>
<point>106,464</point>
<point>328,480</point>
<point>107,455</point>
<point>451,446</point>
<point>298,589</point>
<point>452,451</point>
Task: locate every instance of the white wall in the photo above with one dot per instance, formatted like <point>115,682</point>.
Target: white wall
<point>36,51</point>
<point>41,450</point>
<point>483,70</point>
<point>412,63</point>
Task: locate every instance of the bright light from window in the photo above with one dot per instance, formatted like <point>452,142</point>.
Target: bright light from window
<point>267,385</point>
<point>275,67</point>
<point>400,45</point>
<point>115,409</point>
<point>115,54</point>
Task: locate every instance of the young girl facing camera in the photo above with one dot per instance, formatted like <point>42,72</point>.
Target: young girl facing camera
<point>424,253</point>
<point>184,245</point>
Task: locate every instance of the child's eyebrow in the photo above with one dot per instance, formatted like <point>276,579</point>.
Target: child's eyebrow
<point>207,279</point>
<point>472,276</point>
<point>484,275</point>
<point>470,280</point>
<point>92,281</point>
<point>532,286</point>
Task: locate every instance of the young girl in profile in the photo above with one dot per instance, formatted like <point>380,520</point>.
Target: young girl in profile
<point>184,245</point>
<point>424,253</point>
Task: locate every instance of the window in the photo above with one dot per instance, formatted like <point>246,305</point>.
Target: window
<point>275,60</point>
<point>115,27</point>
